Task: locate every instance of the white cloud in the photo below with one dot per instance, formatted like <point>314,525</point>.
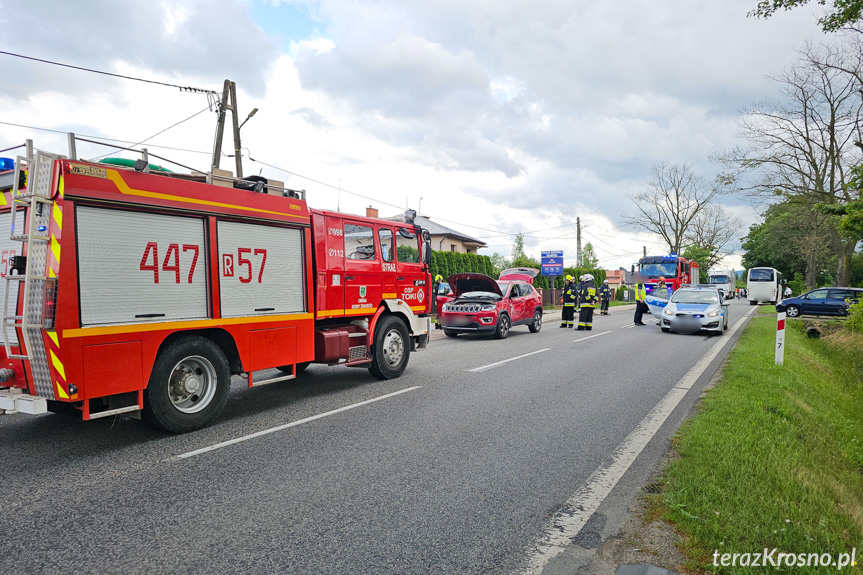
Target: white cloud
<point>500,114</point>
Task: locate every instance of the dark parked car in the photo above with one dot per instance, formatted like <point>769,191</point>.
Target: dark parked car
<point>822,301</point>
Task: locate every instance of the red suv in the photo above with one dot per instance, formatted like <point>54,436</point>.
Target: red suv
<point>483,305</point>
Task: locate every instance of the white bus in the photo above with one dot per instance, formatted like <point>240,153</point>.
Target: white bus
<point>763,285</point>
<point>725,281</point>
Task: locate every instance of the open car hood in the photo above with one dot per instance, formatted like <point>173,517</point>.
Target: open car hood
<point>521,274</point>
<point>462,283</point>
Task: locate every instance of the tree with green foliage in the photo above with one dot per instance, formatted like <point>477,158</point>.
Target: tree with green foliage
<point>845,13</point>
<point>702,256</point>
<point>793,238</point>
<point>518,247</point>
<point>588,256</point>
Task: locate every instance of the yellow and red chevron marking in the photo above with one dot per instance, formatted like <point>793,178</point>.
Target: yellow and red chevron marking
<point>52,346</point>
<point>56,229</point>
<point>52,342</point>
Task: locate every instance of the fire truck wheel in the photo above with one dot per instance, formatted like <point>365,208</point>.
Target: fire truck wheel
<point>503,326</point>
<point>188,387</point>
<point>537,322</point>
<point>391,348</point>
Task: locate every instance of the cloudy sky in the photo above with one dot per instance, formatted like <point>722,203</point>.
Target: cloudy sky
<point>490,116</point>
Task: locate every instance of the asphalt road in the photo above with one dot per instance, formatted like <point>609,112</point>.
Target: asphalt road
<point>459,475</point>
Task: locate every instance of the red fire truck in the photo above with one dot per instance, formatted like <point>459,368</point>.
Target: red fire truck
<point>676,270</point>
<point>142,292</point>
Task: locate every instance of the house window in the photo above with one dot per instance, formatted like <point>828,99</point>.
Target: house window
<point>452,247</point>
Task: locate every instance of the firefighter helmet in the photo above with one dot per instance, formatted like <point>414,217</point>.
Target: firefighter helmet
<point>438,278</point>
<point>588,277</point>
<point>662,278</point>
<point>568,278</point>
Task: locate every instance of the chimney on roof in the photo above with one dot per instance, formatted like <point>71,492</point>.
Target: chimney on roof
<point>371,212</point>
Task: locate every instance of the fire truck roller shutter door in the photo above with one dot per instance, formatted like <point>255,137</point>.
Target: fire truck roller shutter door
<point>9,248</point>
<point>261,270</point>
<point>138,267</point>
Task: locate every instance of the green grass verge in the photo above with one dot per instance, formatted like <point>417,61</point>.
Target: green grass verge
<point>774,457</point>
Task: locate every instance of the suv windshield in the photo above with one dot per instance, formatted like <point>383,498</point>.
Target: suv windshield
<point>695,296</point>
<point>653,271</point>
<point>480,295</point>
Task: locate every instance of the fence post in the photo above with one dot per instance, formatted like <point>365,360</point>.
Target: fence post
<point>780,338</point>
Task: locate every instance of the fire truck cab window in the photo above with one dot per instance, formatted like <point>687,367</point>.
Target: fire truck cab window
<point>408,248</point>
<point>359,242</point>
<point>386,238</point>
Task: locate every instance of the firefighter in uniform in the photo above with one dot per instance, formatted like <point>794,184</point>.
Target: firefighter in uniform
<point>587,297</point>
<point>605,297</point>
<point>437,281</point>
<point>567,318</point>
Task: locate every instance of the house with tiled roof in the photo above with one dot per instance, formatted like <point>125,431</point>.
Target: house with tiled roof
<point>443,239</point>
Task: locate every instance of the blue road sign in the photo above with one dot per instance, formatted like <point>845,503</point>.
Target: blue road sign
<point>552,263</point>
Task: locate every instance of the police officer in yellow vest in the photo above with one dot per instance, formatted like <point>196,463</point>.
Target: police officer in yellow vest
<point>640,305</point>
<point>588,299</point>
<point>567,318</point>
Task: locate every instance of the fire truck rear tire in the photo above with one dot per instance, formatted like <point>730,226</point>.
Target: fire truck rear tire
<point>391,348</point>
<point>188,387</point>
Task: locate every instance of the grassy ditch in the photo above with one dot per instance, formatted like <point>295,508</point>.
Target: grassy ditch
<point>774,458</point>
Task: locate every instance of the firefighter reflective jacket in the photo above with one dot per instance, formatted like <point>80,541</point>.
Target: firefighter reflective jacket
<point>605,292</point>
<point>587,294</point>
<point>569,294</point>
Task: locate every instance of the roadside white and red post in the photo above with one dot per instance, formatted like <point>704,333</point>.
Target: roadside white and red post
<point>780,337</point>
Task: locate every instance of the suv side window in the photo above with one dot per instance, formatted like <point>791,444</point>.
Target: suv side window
<point>841,294</point>
<point>818,294</point>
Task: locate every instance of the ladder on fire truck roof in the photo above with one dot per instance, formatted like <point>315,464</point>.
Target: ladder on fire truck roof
<point>36,196</point>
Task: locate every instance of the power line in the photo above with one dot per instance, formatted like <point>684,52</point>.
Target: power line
<point>104,139</point>
<point>157,133</point>
<point>324,183</point>
<point>182,88</point>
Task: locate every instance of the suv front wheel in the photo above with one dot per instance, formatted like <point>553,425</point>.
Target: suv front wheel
<point>537,321</point>
<point>503,325</point>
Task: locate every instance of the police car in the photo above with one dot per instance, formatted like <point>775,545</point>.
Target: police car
<point>692,309</point>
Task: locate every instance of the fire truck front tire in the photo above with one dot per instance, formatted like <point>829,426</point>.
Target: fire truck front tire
<point>391,348</point>
<point>188,387</point>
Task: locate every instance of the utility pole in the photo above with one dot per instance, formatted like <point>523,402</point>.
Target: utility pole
<point>578,242</point>
<point>644,249</point>
<point>229,92</point>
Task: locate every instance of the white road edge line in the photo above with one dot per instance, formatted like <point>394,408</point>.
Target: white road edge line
<point>590,336</point>
<point>497,363</point>
<point>287,425</point>
<point>568,522</point>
